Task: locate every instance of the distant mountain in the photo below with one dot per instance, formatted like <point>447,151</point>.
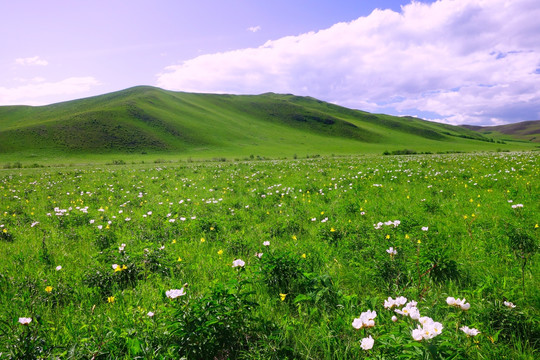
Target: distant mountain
<point>525,131</point>
<point>147,119</point>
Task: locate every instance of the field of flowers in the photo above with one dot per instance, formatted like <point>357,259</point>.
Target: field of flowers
<point>394,257</point>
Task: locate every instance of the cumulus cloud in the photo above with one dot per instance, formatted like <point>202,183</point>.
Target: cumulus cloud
<point>469,61</point>
<point>37,91</point>
<point>254,28</point>
<point>31,61</point>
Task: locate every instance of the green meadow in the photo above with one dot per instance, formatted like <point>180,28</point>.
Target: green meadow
<point>431,256</point>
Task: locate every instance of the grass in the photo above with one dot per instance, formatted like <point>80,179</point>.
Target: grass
<point>145,123</point>
<point>468,228</point>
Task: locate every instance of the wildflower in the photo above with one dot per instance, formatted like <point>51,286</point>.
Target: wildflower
<point>259,255</point>
<point>303,256</point>
<point>469,332</point>
<point>394,318</point>
<point>150,314</point>
<point>282,296</point>
<point>391,251</point>
<point>48,289</point>
<point>428,330</point>
<point>59,267</point>
<point>390,303</point>
<point>203,240</point>
<point>367,343</point>
<point>110,299</point>
<point>294,237</point>
<point>366,319</point>
<point>425,228</point>
<point>238,263</point>
<point>174,293</point>
<point>121,247</point>
<point>517,206</point>
<point>25,320</point>
<point>116,267</point>
<point>179,259</point>
<point>458,303</point>
<point>387,236</point>
<point>509,304</point>
<point>220,252</point>
<point>332,230</point>
<point>266,243</point>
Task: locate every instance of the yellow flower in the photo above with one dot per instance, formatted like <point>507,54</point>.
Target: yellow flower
<point>387,236</point>
<point>4,231</point>
<point>220,252</point>
<point>124,267</point>
<point>179,259</point>
<point>174,241</point>
<point>303,256</point>
<point>465,217</point>
<point>419,241</point>
<point>282,296</point>
<point>332,230</point>
<point>536,226</point>
<point>294,237</point>
<point>407,236</point>
<point>202,240</point>
<point>110,299</point>
<point>211,228</point>
<point>48,289</point>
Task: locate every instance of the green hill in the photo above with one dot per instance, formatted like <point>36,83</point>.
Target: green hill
<point>525,131</point>
<point>147,120</point>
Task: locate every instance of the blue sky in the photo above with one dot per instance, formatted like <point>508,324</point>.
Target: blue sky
<point>454,61</point>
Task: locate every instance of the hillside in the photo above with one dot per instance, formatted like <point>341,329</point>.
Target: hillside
<point>148,120</point>
<point>525,131</point>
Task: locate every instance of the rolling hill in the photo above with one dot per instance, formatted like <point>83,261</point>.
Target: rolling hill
<point>147,120</point>
<point>525,131</point>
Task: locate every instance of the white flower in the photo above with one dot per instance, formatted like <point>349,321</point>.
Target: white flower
<point>517,206</point>
<point>121,247</point>
<point>509,304</point>
<point>238,263</point>
<point>458,303</point>
<point>150,314</point>
<point>114,266</point>
<point>357,323</point>
<point>391,251</point>
<point>469,332</point>
<point>34,223</point>
<point>428,330</point>
<point>365,320</point>
<point>425,228</point>
<point>25,320</point>
<point>59,267</point>
<point>266,243</point>
<point>367,343</point>
<point>390,303</point>
<point>417,334</point>
<point>394,318</point>
<point>259,255</point>
<point>174,293</point>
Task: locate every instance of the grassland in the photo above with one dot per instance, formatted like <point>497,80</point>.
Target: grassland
<point>146,123</point>
<point>136,261</point>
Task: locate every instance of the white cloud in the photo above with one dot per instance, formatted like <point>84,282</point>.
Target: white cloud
<point>31,61</point>
<point>470,61</point>
<point>254,28</point>
<point>37,92</point>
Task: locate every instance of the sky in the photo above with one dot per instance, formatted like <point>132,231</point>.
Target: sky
<point>453,61</point>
